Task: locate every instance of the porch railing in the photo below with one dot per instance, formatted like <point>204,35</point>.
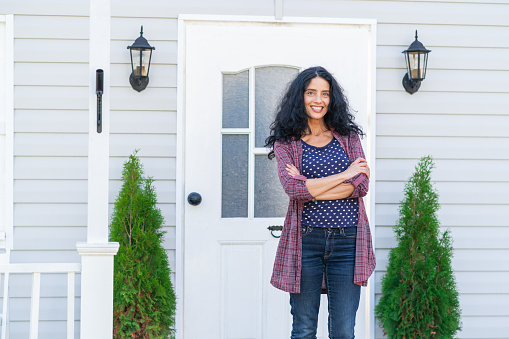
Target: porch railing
<point>36,270</point>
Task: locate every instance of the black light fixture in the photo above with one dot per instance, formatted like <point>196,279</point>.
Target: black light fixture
<point>141,54</point>
<point>416,58</point>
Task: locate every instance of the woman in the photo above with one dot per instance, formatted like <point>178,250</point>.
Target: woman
<point>326,241</point>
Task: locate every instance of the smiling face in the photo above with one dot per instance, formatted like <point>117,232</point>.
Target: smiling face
<point>316,98</point>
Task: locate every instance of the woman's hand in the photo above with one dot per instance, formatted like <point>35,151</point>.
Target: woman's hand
<point>358,166</point>
<point>292,170</point>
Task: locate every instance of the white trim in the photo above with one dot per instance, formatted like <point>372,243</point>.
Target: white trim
<point>251,155</point>
<point>9,133</point>
<point>278,9</point>
<point>41,268</point>
<point>371,131</point>
<point>180,199</point>
<point>268,19</point>
<point>98,143</point>
<point>34,305</point>
<point>85,248</point>
<point>179,188</point>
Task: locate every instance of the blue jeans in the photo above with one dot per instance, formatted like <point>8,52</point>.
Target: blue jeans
<point>329,251</point>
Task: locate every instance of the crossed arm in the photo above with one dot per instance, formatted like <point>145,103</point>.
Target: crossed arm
<point>333,186</point>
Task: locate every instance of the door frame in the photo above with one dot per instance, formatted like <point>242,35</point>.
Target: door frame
<point>180,170</point>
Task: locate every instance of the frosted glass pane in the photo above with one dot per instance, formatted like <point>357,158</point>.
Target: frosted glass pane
<point>270,83</point>
<point>235,176</point>
<point>269,197</point>
<point>236,100</point>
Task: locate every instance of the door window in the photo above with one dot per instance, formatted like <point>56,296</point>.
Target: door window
<point>250,185</point>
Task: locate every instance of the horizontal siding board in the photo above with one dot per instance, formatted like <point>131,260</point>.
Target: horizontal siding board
<point>165,52</point>
<point>478,260</point>
<point>453,58</point>
<point>123,122</point>
<point>45,144</point>
<point>404,12</point>
<point>158,145</point>
<point>46,97</point>
<point>47,329</point>
<point>40,214</point>
<point>156,8</point>
<point>159,168</point>
<point>51,74</point>
<point>170,238</point>
<point>452,215</point>
<point>160,99</point>
<point>484,327</point>
<point>52,285</point>
<point>56,121</point>
<point>160,75</point>
<point>436,102</point>
<point>153,28</point>
<point>448,80</point>
<point>168,211</point>
<point>490,305</point>
<point>445,170</point>
<point>51,27</point>
<point>51,168</point>
<point>45,256</point>
<point>450,192</point>
<point>442,125</point>
<point>165,190</point>
<point>50,50</point>
<point>475,328</point>
<point>50,191</point>
<point>482,237</point>
<point>48,7</point>
<point>49,238</point>
<point>442,147</point>
<point>442,34</point>
<point>466,282</point>
<point>50,309</point>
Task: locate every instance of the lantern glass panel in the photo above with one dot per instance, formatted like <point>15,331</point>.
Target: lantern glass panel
<point>136,58</point>
<point>416,65</point>
<point>145,62</point>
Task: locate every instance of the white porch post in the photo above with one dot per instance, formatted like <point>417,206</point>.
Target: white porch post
<point>97,253</point>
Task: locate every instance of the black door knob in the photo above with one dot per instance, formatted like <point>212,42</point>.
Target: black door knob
<point>194,198</point>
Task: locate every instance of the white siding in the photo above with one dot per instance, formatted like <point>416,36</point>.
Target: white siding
<point>50,159</point>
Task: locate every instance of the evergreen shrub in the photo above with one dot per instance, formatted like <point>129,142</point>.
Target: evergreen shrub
<point>144,299</point>
<point>419,296</point>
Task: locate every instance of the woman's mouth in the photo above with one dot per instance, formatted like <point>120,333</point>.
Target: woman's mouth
<point>317,109</point>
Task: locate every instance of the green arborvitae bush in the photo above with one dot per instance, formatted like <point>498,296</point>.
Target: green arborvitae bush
<point>144,299</point>
<point>419,296</point>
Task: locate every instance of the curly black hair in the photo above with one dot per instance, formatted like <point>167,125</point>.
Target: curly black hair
<point>291,121</point>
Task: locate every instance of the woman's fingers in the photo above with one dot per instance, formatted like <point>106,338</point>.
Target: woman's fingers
<point>292,170</point>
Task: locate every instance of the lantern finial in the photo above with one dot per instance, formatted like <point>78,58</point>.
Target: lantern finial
<point>415,32</point>
<point>141,33</point>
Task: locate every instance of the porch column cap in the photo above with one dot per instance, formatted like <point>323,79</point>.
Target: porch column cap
<point>85,248</point>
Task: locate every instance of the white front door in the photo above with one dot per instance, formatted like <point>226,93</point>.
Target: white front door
<point>234,73</point>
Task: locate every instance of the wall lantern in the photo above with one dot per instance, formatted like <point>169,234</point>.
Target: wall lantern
<point>416,58</point>
<point>141,54</point>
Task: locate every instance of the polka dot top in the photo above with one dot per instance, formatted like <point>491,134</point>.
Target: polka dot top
<point>319,162</point>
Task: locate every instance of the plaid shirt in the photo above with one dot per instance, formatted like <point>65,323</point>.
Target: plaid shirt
<point>287,265</point>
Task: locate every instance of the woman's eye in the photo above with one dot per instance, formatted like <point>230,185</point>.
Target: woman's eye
<point>326,95</point>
